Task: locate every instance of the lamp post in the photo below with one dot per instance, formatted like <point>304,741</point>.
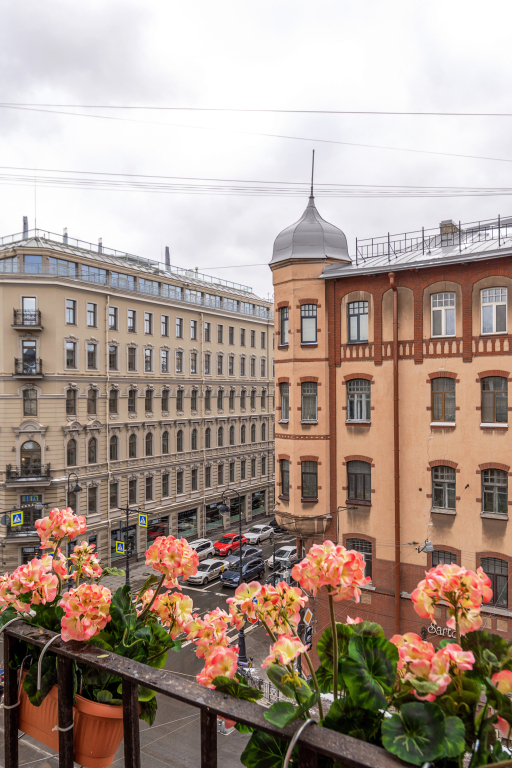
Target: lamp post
<point>138,512</point>
<point>223,509</point>
<point>76,489</point>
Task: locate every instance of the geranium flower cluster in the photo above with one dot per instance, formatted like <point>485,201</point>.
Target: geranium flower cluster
<point>33,579</point>
<point>333,566</point>
<point>86,562</point>
<point>418,660</point>
<point>87,611</point>
<point>59,524</point>
<point>174,611</point>
<point>278,606</point>
<point>284,651</point>
<point>172,558</point>
<point>461,590</point>
<point>209,634</point>
<point>57,561</point>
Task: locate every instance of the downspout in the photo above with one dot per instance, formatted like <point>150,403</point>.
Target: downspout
<point>396,451</point>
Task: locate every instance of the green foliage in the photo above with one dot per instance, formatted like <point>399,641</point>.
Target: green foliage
<point>48,680</point>
<point>491,652</point>
<point>368,629</point>
<point>324,646</point>
<point>106,697</point>
<point>281,678</point>
<point>370,671</point>
<point>110,571</point>
<point>236,688</point>
<point>148,711</point>
<point>454,741</point>
<point>264,751</point>
<point>324,679</point>
<point>353,721</point>
<point>416,733</point>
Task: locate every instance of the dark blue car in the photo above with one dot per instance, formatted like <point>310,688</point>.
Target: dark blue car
<point>251,570</point>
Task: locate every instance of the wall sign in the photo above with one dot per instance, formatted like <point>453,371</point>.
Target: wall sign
<point>435,629</point>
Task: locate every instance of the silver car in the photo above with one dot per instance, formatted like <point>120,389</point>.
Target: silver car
<point>207,571</point>
<point>285,556</point>
<point>203,547</point>
<point>259,533</point>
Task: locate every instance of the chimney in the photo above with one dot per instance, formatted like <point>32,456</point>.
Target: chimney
<point>65,236</point>
<point>100,245</point>
<point>448,231</point>
<point>25,226</point>
<point>167,258</point>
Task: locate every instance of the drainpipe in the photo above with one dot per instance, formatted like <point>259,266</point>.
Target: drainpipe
<point>396,451</point>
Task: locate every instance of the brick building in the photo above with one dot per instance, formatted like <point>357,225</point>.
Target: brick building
<point>392,370</point>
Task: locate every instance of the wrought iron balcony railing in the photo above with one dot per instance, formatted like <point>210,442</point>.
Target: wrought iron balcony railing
<point>33,470</point>
<point>313,742</point>
<point>28,366</point>
<point>24,318</point>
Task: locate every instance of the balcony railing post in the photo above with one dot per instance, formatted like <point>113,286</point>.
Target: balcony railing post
<point>10,700</point>
<point>208,739</point>
<point>65,709</point>
<point>131,725</point>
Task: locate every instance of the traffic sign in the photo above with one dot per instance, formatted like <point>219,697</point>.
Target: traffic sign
<point>308,615</point>
<point>17,518</point>
<point>143,521</point>
<point>120,547</point>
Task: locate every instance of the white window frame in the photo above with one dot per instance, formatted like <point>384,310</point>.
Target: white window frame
<point>442,308</point>
<point>493,304</point>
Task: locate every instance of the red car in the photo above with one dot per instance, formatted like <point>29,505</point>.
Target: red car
<point>228,544</point>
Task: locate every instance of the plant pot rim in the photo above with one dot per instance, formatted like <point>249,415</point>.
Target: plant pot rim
<point>97,708</point>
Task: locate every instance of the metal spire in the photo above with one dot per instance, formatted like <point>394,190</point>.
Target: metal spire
<point>312,172</point>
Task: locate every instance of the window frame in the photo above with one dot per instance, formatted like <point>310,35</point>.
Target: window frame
<point>366,498</point>
<point>490,562</point>
<point>284,394</point>
<point>91,311</point>
<point>495,392</point>
<point>490,482</point>
<point>131,321</point>
<point>493,304</point>
<point>444,392</point>
<point>29,397</point>
<point>113,318</point>
<point>148,323</point>
<point>308,469</point>
<point>444,485</point>
<point>284,326</point>
<point>359,339</point>
<point>164,326</point>
<point>359,400</point>
<point>308,400</point>
<point>308,312</point>
<point>443,308</point>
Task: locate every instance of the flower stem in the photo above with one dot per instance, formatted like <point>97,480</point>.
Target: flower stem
<point>312,671</point>
<point>334,649</point>
<point>157,590</point>
<point>457,628</point>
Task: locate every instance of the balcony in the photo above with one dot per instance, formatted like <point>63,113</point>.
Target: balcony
<point>33,472</point>
<point>28,368</point>
<point>27,318</point>
<point>27,528</point>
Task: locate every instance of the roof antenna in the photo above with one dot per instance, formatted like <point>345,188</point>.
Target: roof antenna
<point>312,172</point>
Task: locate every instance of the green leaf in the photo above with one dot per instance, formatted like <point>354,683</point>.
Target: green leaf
<point>150,581</point>
<point>497,648</point>
<point>147,711</point>
<point>345,718</point>
<point>324,646</point>
<point>369,674</point>
<point>281,713</point>
<point>264,751</point>
<point>145,694</point>
<point>324,679</point>
<point>280,677</point>
<point>501,703</point>
<point>48,680</point>
<point>424,686</point>
<point>234,688</point>
<point>489,657</point>
<point>454,737</point>
<point>368,629</point>
<point>416,734</point>
<point>110,571</point>
<point>99,642</point>
<point>241,728</point>
<point>106,697</point>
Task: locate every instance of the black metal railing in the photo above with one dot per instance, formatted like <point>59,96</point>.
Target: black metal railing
<point>28,366</point>
<point>27,317</point>
<point>314,741</point>
<point>33,470</point>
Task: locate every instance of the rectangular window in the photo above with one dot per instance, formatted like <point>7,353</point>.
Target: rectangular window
<point>93,274</point>
<point>283,326</point>
<point>285,477</point>
<point>242,337</point>
<point>91,355</point>
<point>92,499</point>
<point>59,267</point>
<point>193,330</point>
<point>33,264</point>
<point>132,358</point>
<point>263,340</point>
<point>193,480</point>
<point>193,362</point>
<point>494,400</point>
<point>358,321</point>
<point>494,310</point>
<point>179,403</point>
<point>125,282</point>
<point>132,491</point>
<point>149,489</point>
<point>148,322</point>
<point>253,338</point>
<point>495,491</point>
<point>220,402</point>
<point>70,354</point>
<point>132,395</point>
<point>92,315</point>
<point>164,325</point>
<point>443,314</point>
<point>309,474</point>
<point>113,496</point>
<point>207,331</point>
<point>220,334</point>
<point>165,484</point>
<point>220,365</point>
<point>208,400</point>
<point>164,360</point>
<point>220,474</point>
<point>148,360</point>
<point>165,401</point>
<point>497,571</point>
<point>70,402</point>
<point>179,327</point>
<point>263,465</point>
<point>231,471</point>
<point>112,318</point>
<point>179,362</point>
<point>308,324</point>
<point>207,364</point>
<point>193,402</point>
<point>132,321</point>
<point>112,357</point>
<point>263,367</point>
<point>194,297</point>
<point>443,399</point>
<point>29,402</point>
<point>70,312</point>
<point>92,399</point>
<point>285,401</point>
<point>253,467</point>
<point>231,334</point>
<point>242,469</point>
<point>148,401</point>
<point>231,365</point>
<point>112,402</point>
<point>443,487</point>
<point>359,480</point>
<point>242,366</point>
<point>148,286</point>
<point>358,400</point>
<point>253,366</point>
<point>207,477</point>
<point>179,482</point>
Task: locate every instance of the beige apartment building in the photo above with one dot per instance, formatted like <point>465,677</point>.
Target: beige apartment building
<point>140,384</point>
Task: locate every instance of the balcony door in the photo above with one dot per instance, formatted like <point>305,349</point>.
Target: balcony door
<point>30,458</point>
<point>29,310</point>
<point>29,356</point>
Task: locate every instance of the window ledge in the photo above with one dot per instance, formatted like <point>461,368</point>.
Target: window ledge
<point>309,500</point>
<point>309,343</point>
<point>495,610</point>
<point>446,336</point>
<point>358,342</point>
<point>368,587</point>
<point>355,422</point>
<point>496,425</point>
<point>283,421</point>
<point>443,511</point>
<point>309,421</point>
<point>283,346</point>
<point>284,498</point>
<point>450,424</point>
<point>358,503</point>
<point>494,515</point>
<point>494,333</point>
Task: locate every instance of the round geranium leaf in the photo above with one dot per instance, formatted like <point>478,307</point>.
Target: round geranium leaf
<point>369,674</point>
<point>454,732</point>
<point>369,628</point>
<point>416,734</point>
<point>324,646</point>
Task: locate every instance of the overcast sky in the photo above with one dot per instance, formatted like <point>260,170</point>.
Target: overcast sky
<point>387,55</point>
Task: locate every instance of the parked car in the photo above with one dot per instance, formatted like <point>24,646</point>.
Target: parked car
<point>275,525</point>
<point>206,571</point>
<point>259,533</point>
<point>252,569</point>
<point>203,547</point>
<point>286,556</point>
<point>228,544</point>
<point>251,552</point>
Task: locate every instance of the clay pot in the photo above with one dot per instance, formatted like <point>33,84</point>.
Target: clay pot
<point>39,721</point>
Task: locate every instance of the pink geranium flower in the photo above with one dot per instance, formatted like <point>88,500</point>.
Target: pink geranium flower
<point>172,557</point>
<point>223,661</point>
<point>86,562</point>
<point>357,620</point>
<point>284,651</point>
<point>174,611</point>
<point>503,681</point>
<point>87,610</point>
<point>332,566</point>
<point>59,524</point>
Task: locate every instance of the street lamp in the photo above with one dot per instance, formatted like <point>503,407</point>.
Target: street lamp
<point>76,489</point>
<point>223,509</point>
<point>138,512</point>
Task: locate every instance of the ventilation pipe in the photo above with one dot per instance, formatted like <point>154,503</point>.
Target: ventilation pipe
<point>167,258</point>
<point>100,245</point>
<point>396,451</point>
<point>65,236</point>
<point>25,227</point>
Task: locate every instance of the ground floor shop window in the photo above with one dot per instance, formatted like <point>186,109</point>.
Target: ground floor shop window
<point>28,554</point>
<point>213,516</point>
<point>159,526</point>
<point>258,503</point>
<point>187,524</point>
<point>236,508</point>
<point>130,541</point>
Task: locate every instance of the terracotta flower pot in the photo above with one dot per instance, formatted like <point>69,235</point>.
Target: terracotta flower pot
<point>39,721</point>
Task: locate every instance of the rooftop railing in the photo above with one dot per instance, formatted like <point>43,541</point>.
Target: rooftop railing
<point>313,742</point>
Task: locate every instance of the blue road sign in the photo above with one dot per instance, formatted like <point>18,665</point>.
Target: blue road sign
<point>120,547</point>
<point>17,518</point>
<point>143,521</point>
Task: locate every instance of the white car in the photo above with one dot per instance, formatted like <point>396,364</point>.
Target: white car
<point>207,571</point>
<point>286,556</point>
<point>259,533</point>
<point>203,547</point>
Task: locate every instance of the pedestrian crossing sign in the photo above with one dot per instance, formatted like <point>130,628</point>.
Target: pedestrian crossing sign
<point>17,518</point>
<point>120,547</point>
<point>143,521</point>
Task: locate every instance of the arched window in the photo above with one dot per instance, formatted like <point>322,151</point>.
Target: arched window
<point>263,431</point>
<point>30,457</point>
<point>359,480</point>
<point>71,453</point>
<point>443,487</point>
<point>497,571</point>
<point>165,442</point>
<point>132,447</point>
<point>232,435</point>
<point>253,433</point>
<point>193,440</point>
<point>495,491</point>
<point>179,441</point>
<point>113,448</point>
<point>208,438</point>
<point>242,433</point>
<point>442,557</point>
<point>70,402</point>
<point>443,399</point>
<point>92,398</point>
<point>220,436</point>
<point>494,400</point>
<point>92,451</point>
<point>358,400</point>
<point>365,547</point>
<point>149,444</point>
